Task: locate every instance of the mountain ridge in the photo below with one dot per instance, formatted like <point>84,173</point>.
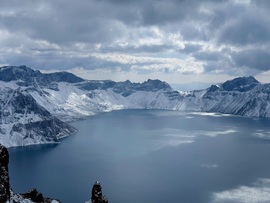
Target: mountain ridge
<point>61,97</point>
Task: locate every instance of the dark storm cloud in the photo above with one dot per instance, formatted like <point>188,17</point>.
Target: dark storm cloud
<point>92,21</point>
<point>245,31</point>
<point>63,22</point>
<point>262,3</point>
<point>158,12</point>
<point>254,58</point>
<point>63,34</point>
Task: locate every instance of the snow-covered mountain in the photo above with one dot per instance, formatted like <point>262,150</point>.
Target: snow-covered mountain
<point>32,102</point>
<point>69,98</point>
<point>241,96</point>
<point>22,120</point>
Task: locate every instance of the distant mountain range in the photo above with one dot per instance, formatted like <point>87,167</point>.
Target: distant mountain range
<point>35,106</point>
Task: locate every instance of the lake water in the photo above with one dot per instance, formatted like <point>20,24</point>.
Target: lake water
<point>152,156</point>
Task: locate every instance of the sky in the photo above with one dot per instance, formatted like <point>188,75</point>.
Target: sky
<point>178,41</point>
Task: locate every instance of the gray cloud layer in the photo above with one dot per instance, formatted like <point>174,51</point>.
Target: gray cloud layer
<point>218,36</point>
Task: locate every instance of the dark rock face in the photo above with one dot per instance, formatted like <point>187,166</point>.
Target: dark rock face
<point>62,77</point>
<point>36,196</point>
<point>125,88</point>
<point>241,84</point>
<point>30,121</point>
<point>28,77</point>
<point>21,103</point>
<point>5,190</point>
<point>4,178</point>
<point>97,194</point>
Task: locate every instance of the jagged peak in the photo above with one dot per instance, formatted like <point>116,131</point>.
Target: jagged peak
<point>157,83</point>
<point>10,73</point>
<point>240,84</point>
<point>26,74</point>
<point>63,77</point>
<point>243,80</point>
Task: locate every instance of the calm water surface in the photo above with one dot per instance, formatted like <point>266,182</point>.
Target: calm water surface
<point>148,157</point>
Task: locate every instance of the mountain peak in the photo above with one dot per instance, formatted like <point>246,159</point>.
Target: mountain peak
<point>241,84</point>
<point>156,84</point>
<point>27,77</point>
<point>10,73</point>
<point>63,77</point>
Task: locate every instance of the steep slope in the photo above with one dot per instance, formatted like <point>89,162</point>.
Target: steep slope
<point>32,102</point>
<point>72,101</point>
<point>24,122</point>
<point>241,96</point>
<point>26,77</point>
<point>4,177</point>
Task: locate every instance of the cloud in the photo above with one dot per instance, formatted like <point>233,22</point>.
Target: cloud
<point>154,64</point>
<point>258,192</point>
<point>247,29</point>
<point>257,58</point>
<point>214,37</point>
<point>191,48</point>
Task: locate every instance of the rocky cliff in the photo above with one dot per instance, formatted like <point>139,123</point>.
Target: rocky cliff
<point>6,193</point>
<point>241,96</point>
<point>24,122</point>
<point>4,178</point>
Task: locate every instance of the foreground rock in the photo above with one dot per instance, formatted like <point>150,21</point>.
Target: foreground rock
<point>4,178</point>
<point>6,193</point>
<point>32,196</point>
<point>97,196</point>
<point>24,122</point>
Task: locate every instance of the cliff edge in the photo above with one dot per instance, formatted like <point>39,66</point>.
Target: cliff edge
<point>6,193</point>
<point>4,178</point>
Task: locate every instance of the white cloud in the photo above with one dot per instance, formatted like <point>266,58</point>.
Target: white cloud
<point>188,41</point>
<point>155,64</point>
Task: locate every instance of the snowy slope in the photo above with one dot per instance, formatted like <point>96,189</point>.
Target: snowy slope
<point>241,96</point>
<point>24,122</point>
<point>31,102</point>
<point>67,97</point>
<point>71,101</point>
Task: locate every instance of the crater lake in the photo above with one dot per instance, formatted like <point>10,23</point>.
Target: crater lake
<point>152,156</point>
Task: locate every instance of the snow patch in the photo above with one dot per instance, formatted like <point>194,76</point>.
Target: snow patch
<point>217,133</point>
<point>258,192</point>
<point>210,166</point>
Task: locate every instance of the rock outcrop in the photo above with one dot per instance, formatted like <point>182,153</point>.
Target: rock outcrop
<point>36,196</point>
<point>96,194</point>
<point>4,178</point>
<point>6,193</point>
